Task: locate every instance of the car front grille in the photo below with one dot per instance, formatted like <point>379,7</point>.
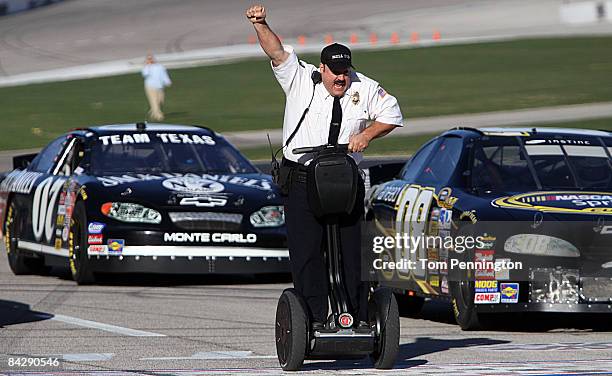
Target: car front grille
<point>206,221</point>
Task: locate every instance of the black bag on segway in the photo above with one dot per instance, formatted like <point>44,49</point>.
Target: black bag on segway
<point>332,180</point>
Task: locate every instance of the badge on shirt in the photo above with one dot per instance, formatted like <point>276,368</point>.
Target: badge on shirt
<point>382,92</point>
<point>355,97</point>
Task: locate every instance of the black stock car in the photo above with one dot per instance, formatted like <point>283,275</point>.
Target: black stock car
<point>539,197</point>
<point>141,198</point>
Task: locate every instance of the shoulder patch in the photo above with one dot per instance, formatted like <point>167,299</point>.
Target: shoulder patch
<point>381,92</point>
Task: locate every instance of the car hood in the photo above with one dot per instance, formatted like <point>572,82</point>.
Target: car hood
<point>190,190</point>
<point>558,205</point>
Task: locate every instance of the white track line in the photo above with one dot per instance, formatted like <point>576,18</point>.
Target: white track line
<point>106,327</point>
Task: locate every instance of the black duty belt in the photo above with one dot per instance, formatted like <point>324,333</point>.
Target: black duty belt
<point>299,171</point>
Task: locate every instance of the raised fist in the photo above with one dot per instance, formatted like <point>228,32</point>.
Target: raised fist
<point>256,14</point>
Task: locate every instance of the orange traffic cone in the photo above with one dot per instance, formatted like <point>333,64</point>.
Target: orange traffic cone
<point>394,38</point>
<point>373,38</point>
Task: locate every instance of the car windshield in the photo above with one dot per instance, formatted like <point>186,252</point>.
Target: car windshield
<point>516,164</point>
<point>166,152</point>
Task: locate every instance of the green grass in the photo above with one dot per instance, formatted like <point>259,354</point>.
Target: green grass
<point>244,95</point>
<point>406,145</point>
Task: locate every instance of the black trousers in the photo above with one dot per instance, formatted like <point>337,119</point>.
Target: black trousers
<point>307,240</point>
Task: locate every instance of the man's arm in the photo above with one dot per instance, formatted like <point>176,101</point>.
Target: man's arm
<point>359,142</point>
<point>269,41</point>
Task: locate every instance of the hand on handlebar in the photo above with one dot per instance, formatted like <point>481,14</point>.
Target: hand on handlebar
<point>358,143</point>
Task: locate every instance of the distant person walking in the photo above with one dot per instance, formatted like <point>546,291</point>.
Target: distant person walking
<point>155,80</point>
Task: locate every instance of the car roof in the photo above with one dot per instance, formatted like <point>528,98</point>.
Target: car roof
<point>547,131</point>
<point>156,127</point>
<point>524,131</point>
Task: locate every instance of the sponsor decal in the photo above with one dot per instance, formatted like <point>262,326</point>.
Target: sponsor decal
<point>485,286</point>
<point>445,219</point>
<point>95,227</point>
<point>485,256</point>
<point>166,138</point>
<point>65,234</point>
<point>95,239</point>
<point>601,228</point>
<point>206,237</point>
<point>486,242</point>
<point>389,193</point>
<point>115,246</point>
<point>509,292</point>
<point>486,298</point>
<point>503,274</point>
<point>112,181</point>
<point>557,142</point>
<point>434,281</point>
<point>203,201</point>
<point>118,139</point>
<point>559,202</point>
<point>193,184</point>
<point>43,203</point>
<point>58,243</point>
<point>471,215</point>
<point>19,181</point>
<point>445,199</point>
<point>83,193</point>
<point>185,138</point>
<point>97,249</point>
<point>444,285</point>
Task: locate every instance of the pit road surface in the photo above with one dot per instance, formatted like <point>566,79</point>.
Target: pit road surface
<point>209,326</point>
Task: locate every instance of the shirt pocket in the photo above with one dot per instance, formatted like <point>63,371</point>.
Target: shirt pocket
<point>356,118</point>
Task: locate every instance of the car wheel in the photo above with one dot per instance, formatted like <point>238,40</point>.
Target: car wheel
<point>77,247</point>
<point>464,309</point>
<point>18,262</point>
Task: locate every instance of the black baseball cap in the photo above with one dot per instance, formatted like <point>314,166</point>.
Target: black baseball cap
<point>337,57</point>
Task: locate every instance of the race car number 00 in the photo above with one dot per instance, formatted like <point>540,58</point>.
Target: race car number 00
<point>42,207</point>
<point>412,209</point>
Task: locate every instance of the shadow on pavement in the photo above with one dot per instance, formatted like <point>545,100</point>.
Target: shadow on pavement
<point>421,346</point>
<point>12,313</point>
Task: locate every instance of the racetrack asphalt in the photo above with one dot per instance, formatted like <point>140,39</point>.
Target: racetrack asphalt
<point>166,325</point>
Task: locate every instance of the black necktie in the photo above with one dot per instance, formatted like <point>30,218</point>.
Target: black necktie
<point>336,120</point>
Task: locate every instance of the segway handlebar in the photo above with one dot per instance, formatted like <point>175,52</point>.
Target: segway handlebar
<point>316,149</point>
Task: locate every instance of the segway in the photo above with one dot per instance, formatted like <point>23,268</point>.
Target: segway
<point>332,190</point>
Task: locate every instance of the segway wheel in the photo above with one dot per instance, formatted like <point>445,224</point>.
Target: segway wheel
<point>291,331</point>
<point>388,333</point>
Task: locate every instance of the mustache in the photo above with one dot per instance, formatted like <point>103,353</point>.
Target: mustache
<point>339,82</point>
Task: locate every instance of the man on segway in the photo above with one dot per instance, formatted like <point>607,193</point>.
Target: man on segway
<point>329,104</point>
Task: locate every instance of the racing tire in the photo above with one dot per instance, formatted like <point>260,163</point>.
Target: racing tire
<point>387,331</point>
<point>77,247</point>
<point>18,262</point>
<point>409,305</point>
<point>464,309</point>
<point>291,331</point>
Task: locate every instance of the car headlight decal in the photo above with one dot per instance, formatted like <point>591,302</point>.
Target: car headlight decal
<point>130,212</point>
<point>540,245</point>
<point>268,216</point>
